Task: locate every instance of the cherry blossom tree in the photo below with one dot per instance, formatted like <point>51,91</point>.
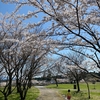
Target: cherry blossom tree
<point>71,65</point>
<point>73,23</point>
<point>23,50</point>
<point>8,45</point>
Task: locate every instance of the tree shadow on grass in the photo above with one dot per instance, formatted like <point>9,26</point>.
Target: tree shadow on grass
<point>1,98</point>
<point>79,96</point>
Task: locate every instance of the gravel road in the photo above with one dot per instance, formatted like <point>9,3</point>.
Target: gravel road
<point>48,94</point>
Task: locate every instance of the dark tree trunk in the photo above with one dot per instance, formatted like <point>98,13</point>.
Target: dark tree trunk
<point>30,84</point>
<point>56,82</point>
<point>17,83</point>
<point>78,86</point>
<point>23,91</point>
<point>30,79</point>
<point>5,96</point>
<point>10,84</point>
<point>23,94</point>
<point>88,89</point>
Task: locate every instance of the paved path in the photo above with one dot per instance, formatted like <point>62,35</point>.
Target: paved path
<point>48,94</point>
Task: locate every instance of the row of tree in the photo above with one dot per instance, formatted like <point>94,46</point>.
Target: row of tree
<point>21,54</point>
<point>73,34</point>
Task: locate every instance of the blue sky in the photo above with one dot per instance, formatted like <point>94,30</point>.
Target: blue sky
<point>9,8</point>
<point>4,8</point>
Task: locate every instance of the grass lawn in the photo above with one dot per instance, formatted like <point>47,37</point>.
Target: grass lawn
<point>32,94</point>
<point>83,94</point>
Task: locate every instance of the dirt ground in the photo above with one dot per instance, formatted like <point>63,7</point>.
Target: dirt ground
<point>48,94</point>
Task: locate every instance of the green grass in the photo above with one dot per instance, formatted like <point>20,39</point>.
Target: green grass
<point>32,94</point>
<point>83,94</point>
